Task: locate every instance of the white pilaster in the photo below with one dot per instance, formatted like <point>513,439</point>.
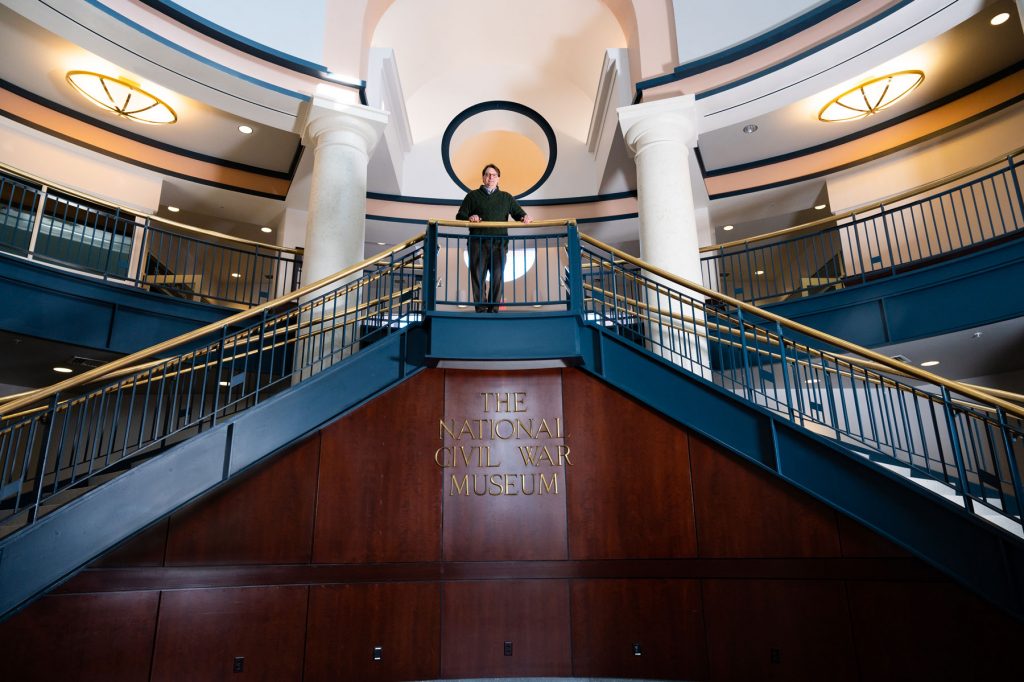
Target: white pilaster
<point>661,135</point>
<point>342,137</point>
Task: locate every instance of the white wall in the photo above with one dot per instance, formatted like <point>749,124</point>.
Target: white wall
<point>704,27</point>
<point>291,27</point>
<point>80,169</point>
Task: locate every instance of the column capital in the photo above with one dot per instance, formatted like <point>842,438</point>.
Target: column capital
<point>328,121</point>
<point>672,121</point>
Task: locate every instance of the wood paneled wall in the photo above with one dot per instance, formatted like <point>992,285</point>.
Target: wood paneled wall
<point>353,556</point>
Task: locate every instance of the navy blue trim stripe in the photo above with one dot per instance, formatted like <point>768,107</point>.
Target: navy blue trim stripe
<point>111,128</point>
<point>963,92</point>
<point>525,202</point>
<point>828,171</point>
<point>817,48</point>
<point>389,219</point>
<point>136,162</point>
<point>607,218</point>
<point>188,53</point>
<point>787,30</point>
<point>683,71</point>
<point>499,105</point>
<point>235,40</point>
<point>579,221</point>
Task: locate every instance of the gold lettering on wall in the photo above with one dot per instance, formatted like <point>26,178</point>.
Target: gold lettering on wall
<point>473,443</point>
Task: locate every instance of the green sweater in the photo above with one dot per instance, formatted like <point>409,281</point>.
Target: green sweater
<point>494,207</point>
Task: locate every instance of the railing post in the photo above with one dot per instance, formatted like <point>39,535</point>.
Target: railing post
<point>217,377</point>
<point>574,249</point>
<point>749,384</point>
<point>1016,183</point>
<point>954,439</point>
<point>37,220</point>
<point>1018,489</point>
<point>44,458</point>
<point>430,247</point>
<point>888,238</point>
<point>785,370</point>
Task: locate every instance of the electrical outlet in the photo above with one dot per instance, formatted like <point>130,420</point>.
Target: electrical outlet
<point>508,648</point>
<point>239,664</point>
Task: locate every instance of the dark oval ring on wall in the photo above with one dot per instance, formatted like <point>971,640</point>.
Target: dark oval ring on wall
<point>499,105</point>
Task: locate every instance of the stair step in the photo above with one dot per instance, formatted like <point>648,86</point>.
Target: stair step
<point>997,519</point>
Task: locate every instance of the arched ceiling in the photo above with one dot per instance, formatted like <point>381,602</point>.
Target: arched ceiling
<point>452,54</point>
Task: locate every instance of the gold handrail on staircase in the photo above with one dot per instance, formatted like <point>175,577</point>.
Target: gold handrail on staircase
<point>138,356</point>
<point>889,363</point>
<point>878,203</point>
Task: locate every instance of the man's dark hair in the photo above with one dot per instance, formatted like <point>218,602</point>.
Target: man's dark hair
<point>491,165</point>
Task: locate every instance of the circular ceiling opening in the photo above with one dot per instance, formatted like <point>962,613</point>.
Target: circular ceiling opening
<point>515,138</point>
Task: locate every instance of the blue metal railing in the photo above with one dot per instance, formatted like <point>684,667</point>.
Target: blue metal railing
<point>62,229</point>
<point>881,240</point>
<point>52,445</point>
<point>959,437</point>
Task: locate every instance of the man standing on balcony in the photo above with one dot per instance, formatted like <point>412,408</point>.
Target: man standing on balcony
<point>488,245</point>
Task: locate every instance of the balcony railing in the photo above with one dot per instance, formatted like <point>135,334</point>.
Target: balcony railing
<point>974,209</point>
<point>67,230</point>
<point>963,438</point>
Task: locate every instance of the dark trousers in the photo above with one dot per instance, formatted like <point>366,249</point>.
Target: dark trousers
<point>487,256</point>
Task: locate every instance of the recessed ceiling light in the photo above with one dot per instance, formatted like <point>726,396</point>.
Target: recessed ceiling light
<point>536,305</point>
<point>758,272</point>
<point>173,209</point>
<point>726,228</point>
<point>820,207</point>
<point>266,230</point>
<point>929,363</point>
<point>977,335</point>
<point>235,274</point>
<point>245,130</point>
<point>63,370</point>
<point>812,381</point>
<point>381,243</point>
<point>999,18</point>
<point>222,383</point>
<point>750,128</point>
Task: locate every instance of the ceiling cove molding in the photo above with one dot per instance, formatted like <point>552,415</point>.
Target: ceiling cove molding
<point>751,50</point>
<point>499,105</point>
<point>894,138</point>
<point>89,134</point>
<point>920,111</point>
<point>155,144</point>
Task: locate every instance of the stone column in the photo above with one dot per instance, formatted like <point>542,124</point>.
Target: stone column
<point>661,135</point>
<point>342,137</point>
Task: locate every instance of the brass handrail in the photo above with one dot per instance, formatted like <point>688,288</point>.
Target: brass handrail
<point>887,362</point>
<point>878,203</point>
<point>134,211</point>
<point>559,222</point>
<point>145,353</point>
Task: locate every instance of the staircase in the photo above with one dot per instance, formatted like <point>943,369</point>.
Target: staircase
<point>239,392</point>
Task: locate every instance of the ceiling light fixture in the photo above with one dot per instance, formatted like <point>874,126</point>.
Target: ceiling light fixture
<point>63,370</point>
<point>173,209</point>
<point>758,272</point>
<point>999,18</point>
<point>929,363</point>
<point>235,275</point>
<point>820,207</point>
<point>870,97</point>
<point>266,230</point>
<point>749,128</point>
<point>122,97</point>
<point>245,130</point>
<point>727,228</point>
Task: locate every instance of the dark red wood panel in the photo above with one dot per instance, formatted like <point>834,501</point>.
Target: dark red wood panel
<point>379,490</point>
<point>479,617</point>
<point>265,516</point>
<point>346,622</point>
<point>503,522</point>
<point>201,632</point>
<point>629,491</point>
<point>931,631</point>
<point>859,541</point>
<point>80,637</point>
<point>778,630</point>
<point>663,617</point>
<point>743,511</point>
<point>144,549</point>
